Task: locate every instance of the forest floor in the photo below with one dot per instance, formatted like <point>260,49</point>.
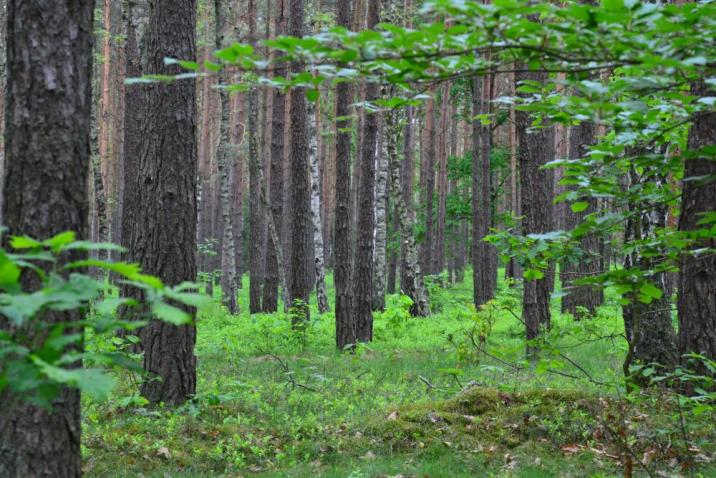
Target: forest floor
<point>444,396</point>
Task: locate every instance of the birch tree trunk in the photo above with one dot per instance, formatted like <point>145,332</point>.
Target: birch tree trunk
<point>411,281</point>
<point>381,218</point>
<point>313,132</point>
<point>225,160</point>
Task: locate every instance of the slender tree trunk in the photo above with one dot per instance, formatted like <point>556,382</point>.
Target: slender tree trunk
<point>381,220</point>
<point>411,281</point>
<point>342,271</point>
<point>393,235</point>
<point>427,180</point>
<point>536,148</point>
<point>649,332</point>
<point>442,153</point>
<point>49,88</point>
<point>319,266</point>
<point>300,215</point>
<point>514,271</point>
<point>225,161</point>
<point>697,275</point>
<point>164,235</point>
<point>484,255</point>
<point>255,214</point>
<point>589,298</point>
<point>238,181</point>
<point>406,178</point>
<point>270,292</point>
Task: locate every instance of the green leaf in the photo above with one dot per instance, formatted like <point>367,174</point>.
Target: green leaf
<point>24,242</point>
<point>9,273</point>
<point>94,382</point>
<point>58,242</point>
<point>651,291</point>
<point>579,206</point>
<point>171,314</point>
<point>312,95</point>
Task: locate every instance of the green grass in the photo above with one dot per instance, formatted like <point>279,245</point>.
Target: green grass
<point>420,400</point>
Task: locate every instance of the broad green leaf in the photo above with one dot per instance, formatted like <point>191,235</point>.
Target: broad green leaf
<point>171,314</point>
<point>579,206</point>
<point>9,273</point>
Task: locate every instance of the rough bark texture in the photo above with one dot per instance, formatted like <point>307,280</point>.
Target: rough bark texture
<point>381,220</point>
<point>256,225</point>
<point>442,154</point>
<point>536,148</point>
<point>411,281</point>
<point>697,276</point>
<point>363,262</point>
<point>649,332</point>
<point>345,330</point>
<point>164,206</point>
<point>225,161</point>
<point>49,66</point>
<point>3,64</point>
<point>300,217</point>
<point>581,137</point>
<point>278,111</point>
<point>320,270</point>
<point>484,255</point>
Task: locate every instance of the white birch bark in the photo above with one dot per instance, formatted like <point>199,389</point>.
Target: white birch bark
<point>321,296</point>
<point>381,204</point>
<point>414,288</point>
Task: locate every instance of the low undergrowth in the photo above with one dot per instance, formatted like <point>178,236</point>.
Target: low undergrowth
<point>449,395</point>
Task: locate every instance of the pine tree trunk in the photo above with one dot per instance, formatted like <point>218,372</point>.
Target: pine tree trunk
<point>697,275</point>
<point>535,149</point>
<point>484,255</point>
<point>164,206</point>
<point>278,111</point>
<point>411,281</point>
<point>319,266</point>
<point>581,137</point>
<point>342,270</point>
<point>381,220</point>
<point>649,332</point>
<point>225,161</point>
<point>442,153</point>
<point>49,88</point>
<point>300,210</point>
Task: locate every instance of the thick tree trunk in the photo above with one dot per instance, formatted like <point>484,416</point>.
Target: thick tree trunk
<point>589,298</point>
<point>536,148</point>
<point>381,220</point>
<point>321,297</point>
<point>164,233</point>
<point>3,65</point>
<point>49,66</point>
<point>225,161</point>
<point>342,270</point>
<point>697,275</point>
<point>411,281</point>
<point>300,211</point>
<point>649,332</point>
<point>484,255</point>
